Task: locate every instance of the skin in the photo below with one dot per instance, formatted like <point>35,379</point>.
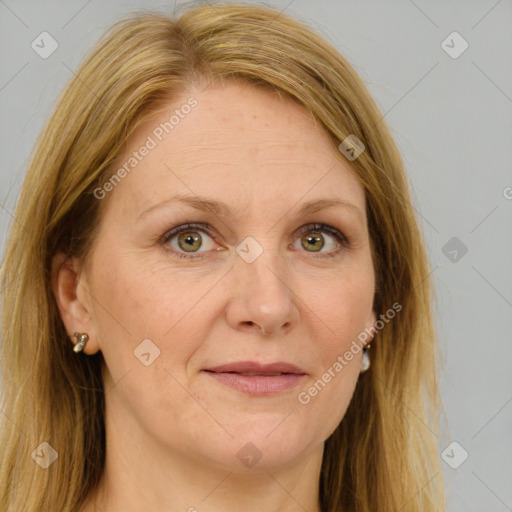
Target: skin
<point>173,432</point>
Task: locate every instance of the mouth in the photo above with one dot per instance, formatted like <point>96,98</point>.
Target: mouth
<point>258,379</point>
<point>256,368</point>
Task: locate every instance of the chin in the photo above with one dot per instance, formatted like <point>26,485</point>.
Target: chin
<point>263,445</point>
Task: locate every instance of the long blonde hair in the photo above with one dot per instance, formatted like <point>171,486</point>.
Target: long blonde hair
<point>383,455</point>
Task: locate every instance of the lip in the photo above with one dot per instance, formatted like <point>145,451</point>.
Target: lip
<point>258,379</point>
<point>257,368</point>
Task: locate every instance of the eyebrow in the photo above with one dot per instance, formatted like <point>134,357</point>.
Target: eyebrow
<point>219,208</point>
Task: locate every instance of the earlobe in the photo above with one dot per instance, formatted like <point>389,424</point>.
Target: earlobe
<point>365,361</point>
<point>73,307</point>
<point>373,321</point>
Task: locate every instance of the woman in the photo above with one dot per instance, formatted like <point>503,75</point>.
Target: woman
<point>214,228</point>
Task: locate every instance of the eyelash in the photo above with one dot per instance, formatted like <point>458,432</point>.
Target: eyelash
<point>317,228</point>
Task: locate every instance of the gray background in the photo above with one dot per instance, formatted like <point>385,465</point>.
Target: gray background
<point>452,120</point>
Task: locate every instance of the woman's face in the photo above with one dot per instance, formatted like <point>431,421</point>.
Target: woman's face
<point>251,282</point>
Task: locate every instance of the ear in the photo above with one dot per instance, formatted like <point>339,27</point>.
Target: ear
<point>371,323</point>
<point>71,291</point>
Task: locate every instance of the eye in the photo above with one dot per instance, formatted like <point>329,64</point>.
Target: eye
<point>312,237</point>
<point>186,240</point>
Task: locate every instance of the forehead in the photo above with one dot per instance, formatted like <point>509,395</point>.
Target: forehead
<point>237,142</point>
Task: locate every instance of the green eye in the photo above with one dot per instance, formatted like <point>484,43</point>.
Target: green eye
<point>190,238</point>
<point>312,235</point>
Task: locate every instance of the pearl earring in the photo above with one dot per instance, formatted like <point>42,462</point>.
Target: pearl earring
<point>365,362</point>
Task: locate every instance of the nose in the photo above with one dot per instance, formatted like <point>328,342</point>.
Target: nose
<point>261,296</point>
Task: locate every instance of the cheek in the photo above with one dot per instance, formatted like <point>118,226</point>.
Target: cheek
<point>133,304</point>
<point>136,296</point>
<point>344,308</point>
<point>139,300</point>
